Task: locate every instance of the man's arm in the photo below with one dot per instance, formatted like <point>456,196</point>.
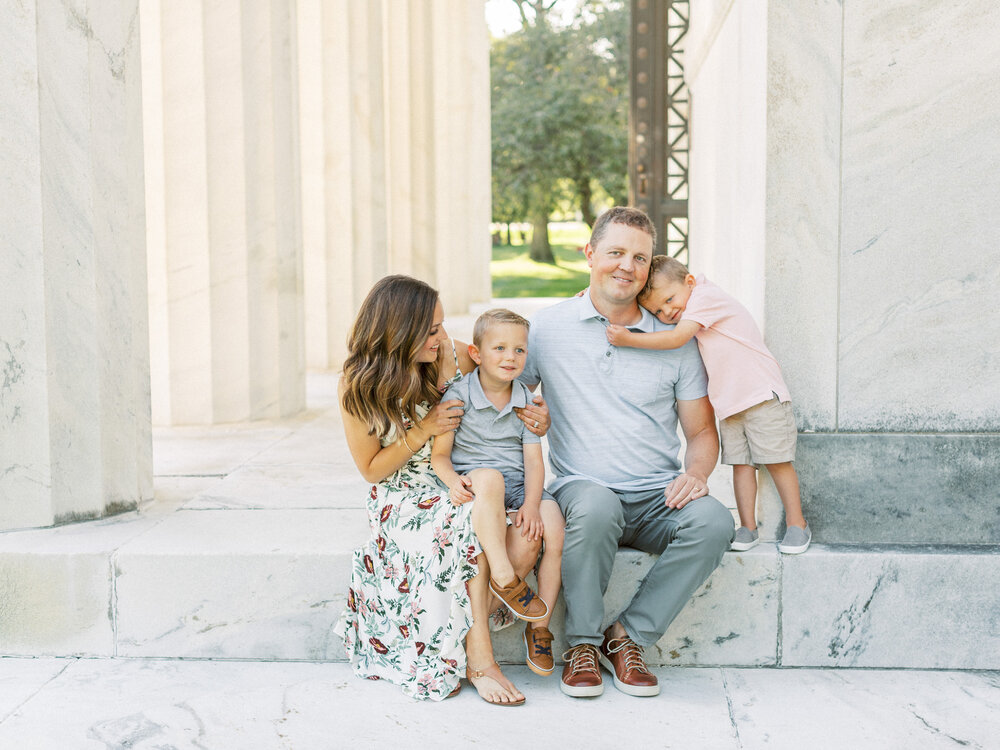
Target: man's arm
<point>697,420</point>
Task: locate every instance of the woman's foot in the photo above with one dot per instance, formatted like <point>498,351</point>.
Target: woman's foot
<point>493,687</point>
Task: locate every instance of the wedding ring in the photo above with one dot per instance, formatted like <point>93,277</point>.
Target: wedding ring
<point>536,424</point>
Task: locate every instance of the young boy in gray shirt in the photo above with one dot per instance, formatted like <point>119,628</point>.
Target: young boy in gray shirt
<point>492,452</point>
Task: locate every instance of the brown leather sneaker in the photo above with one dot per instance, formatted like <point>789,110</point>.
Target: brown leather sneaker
<point>581,678</point>
<point>521,600</point>
<point>538,650</point>
<point>623,658</point>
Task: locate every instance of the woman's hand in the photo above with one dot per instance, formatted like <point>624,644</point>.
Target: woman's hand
<point>447,415</point>
<point>536,416</point>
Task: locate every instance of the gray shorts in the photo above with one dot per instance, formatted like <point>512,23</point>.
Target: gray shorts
<point>513,492</point>
<point>763,434</point>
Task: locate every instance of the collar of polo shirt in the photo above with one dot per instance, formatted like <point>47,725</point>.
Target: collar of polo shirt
<point>647,321</point>
<point>478,397</point>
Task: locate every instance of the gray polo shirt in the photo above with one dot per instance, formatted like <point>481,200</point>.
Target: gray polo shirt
<point>614,409</point>
<point>489,438</point>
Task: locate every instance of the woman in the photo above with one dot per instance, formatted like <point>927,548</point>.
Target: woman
<point>409,607</point>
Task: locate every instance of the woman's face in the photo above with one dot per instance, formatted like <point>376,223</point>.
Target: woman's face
<point>429,352</point>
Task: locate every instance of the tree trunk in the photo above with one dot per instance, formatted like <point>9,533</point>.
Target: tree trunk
<point>586,200</point>
<point>541,250</point>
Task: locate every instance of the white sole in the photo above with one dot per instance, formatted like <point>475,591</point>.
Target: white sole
<point>586,691</point>
<point>793,550</point>
<point>638,692</point>
<point>743,546</point>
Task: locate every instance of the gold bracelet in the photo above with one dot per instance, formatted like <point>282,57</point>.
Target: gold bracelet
<point>407,445</point>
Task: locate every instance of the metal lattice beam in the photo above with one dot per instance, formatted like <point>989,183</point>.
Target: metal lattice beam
<point>658,120</point>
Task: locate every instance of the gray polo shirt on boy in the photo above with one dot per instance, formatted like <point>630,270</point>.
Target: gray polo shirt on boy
<point>489,438</point>
<point>614,409</point>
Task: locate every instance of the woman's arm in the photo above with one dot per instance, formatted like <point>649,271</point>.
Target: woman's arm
<point>675,339</point>
<point>441,463</point>
<point>375,462</point>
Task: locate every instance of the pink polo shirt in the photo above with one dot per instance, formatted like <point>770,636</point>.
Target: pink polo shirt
<point>741,371</point>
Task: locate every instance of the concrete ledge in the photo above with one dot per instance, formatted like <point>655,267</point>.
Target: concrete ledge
<point>923,607</point>
<point>270,584</point>
<point>731,619</point>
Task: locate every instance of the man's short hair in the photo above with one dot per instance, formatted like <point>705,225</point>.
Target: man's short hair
<point>494,317</point>
<point>630,217</point>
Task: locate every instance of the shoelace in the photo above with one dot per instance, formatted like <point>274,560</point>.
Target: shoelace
<point>631,651</point>
<point>582,658</point>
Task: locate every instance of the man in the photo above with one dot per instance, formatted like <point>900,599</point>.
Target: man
<point>614,450</point>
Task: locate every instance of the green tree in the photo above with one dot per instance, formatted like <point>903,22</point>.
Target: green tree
<point>558,103</point>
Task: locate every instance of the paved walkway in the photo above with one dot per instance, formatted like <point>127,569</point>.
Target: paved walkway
<point>70,704</point>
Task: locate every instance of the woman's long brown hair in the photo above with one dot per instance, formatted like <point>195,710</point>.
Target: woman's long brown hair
<point>383,379</point>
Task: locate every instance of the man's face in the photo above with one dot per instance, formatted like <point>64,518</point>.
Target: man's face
<point>619,264</point>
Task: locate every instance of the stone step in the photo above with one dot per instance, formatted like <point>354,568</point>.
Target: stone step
<point>269,584</point>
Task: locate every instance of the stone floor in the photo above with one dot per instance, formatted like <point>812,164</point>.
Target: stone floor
<point>143,704</point>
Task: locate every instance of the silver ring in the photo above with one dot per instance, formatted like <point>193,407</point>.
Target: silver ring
<point>536,424</point>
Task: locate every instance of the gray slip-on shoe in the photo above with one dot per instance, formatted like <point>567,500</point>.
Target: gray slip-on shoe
<point>745,539</point>
<point>796,540</point>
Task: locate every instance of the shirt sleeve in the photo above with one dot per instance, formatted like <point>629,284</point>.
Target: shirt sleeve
<point>692,380</point>
<point>455,391</point>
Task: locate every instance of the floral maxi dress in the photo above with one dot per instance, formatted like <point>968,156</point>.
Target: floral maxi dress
<point>408,607</point>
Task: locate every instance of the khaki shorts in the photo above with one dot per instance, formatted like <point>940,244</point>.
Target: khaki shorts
<point>763,434</point>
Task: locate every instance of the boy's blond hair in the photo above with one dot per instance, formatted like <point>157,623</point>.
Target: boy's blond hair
<point>665,267</point>
<point>494,317</point>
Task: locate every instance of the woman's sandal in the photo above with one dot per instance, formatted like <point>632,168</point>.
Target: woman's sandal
<point>478,674</point>
<point>456,691</point>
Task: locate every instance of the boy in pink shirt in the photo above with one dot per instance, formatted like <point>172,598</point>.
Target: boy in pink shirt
<point>745,386</point>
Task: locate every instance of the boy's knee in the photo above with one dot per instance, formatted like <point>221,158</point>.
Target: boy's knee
<point>487,482</point>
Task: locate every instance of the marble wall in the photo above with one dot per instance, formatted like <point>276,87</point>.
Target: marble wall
<point>74,371</point>
<point>880,147</point>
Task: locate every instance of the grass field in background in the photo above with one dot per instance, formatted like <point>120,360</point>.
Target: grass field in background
<point>516,275</point>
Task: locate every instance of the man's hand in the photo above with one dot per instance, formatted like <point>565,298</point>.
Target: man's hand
<point>685,488</point>
<point>461,491</point>
<point>535,416</point>
<point>529,521</point>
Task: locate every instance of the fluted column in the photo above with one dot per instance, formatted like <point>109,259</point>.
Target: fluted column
<point>225,232</point>
<point>74,398</point>
<point>403,134</point>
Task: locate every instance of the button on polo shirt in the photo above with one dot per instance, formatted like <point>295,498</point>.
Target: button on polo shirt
<point>488,437</point>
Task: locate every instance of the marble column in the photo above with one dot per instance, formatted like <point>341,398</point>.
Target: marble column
<point>399,117</point>
<point>225,232</point>
<point>74,369</point>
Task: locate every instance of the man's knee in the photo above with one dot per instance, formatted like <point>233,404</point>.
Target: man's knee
<point>711,522</point>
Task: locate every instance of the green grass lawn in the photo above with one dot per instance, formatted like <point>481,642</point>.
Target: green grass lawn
<point>516,275</point>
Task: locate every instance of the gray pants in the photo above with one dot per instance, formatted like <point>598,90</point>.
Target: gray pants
<point>690,542</point>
